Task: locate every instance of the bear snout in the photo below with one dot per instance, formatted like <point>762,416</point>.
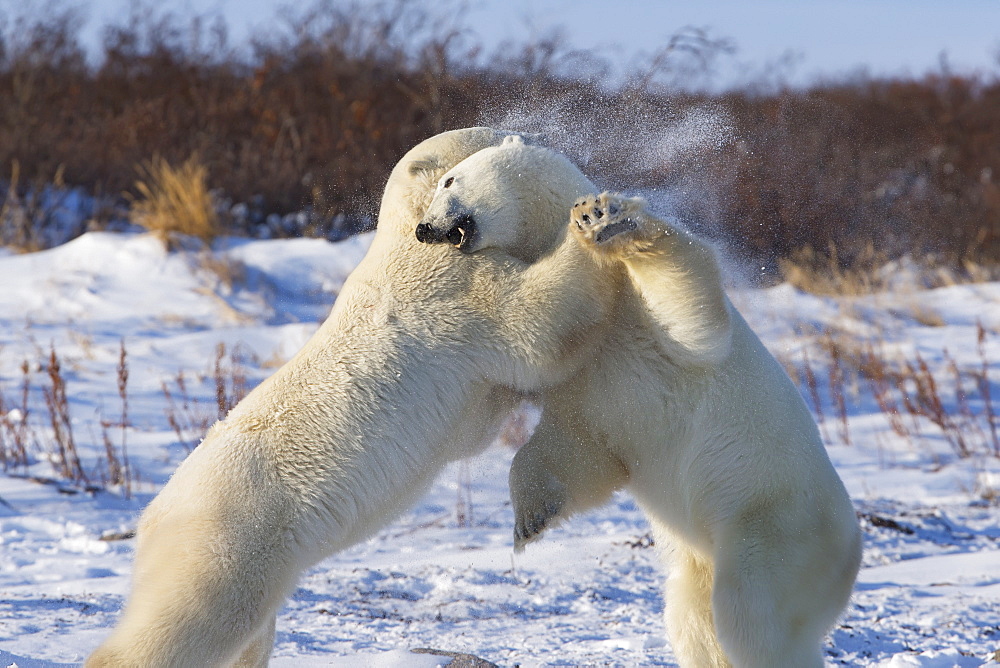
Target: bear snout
<point>426,234</point>
<point>459,232</point>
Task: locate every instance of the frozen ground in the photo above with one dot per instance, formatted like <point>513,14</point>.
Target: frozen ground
<point>588,594</point>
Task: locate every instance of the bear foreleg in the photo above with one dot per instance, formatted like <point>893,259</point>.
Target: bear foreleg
<point>557,473</point>
<point>675,272</point>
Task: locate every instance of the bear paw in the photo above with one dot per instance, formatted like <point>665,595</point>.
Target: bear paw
<point>536,507</point>
<point>609,220</point>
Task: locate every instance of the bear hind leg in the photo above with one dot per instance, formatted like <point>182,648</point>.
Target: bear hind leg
<point>258,652</point>
<point>760,621</point>
<point>688,614</point>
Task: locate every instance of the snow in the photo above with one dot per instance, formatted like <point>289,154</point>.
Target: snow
<point>589,593</point>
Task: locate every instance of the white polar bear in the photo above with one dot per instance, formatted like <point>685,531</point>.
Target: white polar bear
<point>426,351</point>
<point>682,404</point>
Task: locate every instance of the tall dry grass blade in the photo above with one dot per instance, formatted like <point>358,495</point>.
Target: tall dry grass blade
<point>175,201</point>
<point>813,387</point>
<point>983,382</point>
<point>57,402</point>
<point>125,477</point>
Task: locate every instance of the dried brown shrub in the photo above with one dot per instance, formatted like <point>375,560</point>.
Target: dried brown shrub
<point>175,201</point>
<point>318,112</point>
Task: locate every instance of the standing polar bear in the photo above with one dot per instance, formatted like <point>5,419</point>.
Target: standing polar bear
<point>426,351</point>
<point>682,404</point>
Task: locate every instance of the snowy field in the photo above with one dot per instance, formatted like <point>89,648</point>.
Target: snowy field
<point>444,576</point>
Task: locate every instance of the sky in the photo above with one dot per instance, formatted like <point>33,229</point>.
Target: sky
<point>826,38</point>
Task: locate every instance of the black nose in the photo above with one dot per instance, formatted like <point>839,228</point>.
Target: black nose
<point>459,235</point>
<point>425,233</point>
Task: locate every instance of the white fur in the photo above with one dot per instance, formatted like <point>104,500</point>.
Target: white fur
<point>424,354</point>
<point>684,406</point>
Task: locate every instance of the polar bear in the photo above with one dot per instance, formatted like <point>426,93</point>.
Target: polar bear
<point>426,351</point>
<point>680,403</point>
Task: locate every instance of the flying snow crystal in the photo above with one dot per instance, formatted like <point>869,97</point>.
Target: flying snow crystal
<point>699,131</point>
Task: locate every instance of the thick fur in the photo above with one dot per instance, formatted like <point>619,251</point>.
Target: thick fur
<point>684,406</point>
<point>427,349</point>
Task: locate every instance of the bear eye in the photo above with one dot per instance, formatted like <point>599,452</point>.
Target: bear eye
<point>448,181</point>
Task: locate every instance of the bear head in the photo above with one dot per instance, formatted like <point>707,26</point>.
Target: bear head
<point>413,180</point>
<point>514,198</point>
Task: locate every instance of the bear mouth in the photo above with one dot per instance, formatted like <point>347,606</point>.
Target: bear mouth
<point>462,233</point>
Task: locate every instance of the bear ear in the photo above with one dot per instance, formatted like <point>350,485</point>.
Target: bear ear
<point>423,165</point>
<point>529,138</point>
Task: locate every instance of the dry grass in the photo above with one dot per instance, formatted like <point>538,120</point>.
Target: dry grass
<point>871,271</point>
<point>925,316</point>
<point>317,113</point>
<point>186,415</point>
<point>24,442</point>
<point>230,378</point>
<point>190,417</point>
<point>64,455</point>
<point>175,202</point>
<point>118,469</point>
<point>29,210</point>
<point>825,274</point>
<point>951,402</point>
<point>17,437</point>
<point>30,433</point>
<point>228,271</point>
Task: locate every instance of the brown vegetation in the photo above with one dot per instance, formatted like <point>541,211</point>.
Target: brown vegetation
<point>313,116</point>
<point>951,403</point>
<point>29,434</point>
<point>25,440</point>
<point>190,418</point>
<point>175,201</point>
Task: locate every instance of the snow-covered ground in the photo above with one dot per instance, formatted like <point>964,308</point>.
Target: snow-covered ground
<point>590,593</point>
